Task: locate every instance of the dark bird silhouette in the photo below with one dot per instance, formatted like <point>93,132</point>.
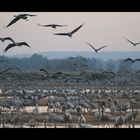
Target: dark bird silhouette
<point>18,17</point>
<point>42,69</point>
<point>15,44</point>
<point>96,50</point>
<point>131,60</point>
<point>2,61</point>
<point>11,68</point>
<point>109,72</point>
<point>70,33</point>
<point>18,69</point>
<point>7,38</point>
<point>134,44</point>
<point>71,57</point>
<point>128,59</point>
<point>52,25</point>
<point>6,70</point>
<point>59,73</point>
<point>138,71</point>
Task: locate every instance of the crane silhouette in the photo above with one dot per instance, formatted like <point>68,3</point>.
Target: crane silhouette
<point>96,50</point>
<point>109,72</point>
<point>131,60</point>
<point>15,44</point>
<point>7,38</point>
<point>134,44</point>
<point>2,61</point>
<point>52,25</point>
<point>70,33</point>
<point>18,17</point>
<point>42,69</point>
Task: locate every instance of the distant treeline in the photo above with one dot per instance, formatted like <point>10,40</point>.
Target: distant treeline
<point>78,63</point>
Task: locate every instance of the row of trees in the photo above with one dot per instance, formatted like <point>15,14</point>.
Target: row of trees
<point>78,63</point>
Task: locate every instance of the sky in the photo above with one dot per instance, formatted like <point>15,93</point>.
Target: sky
<point>99,29</point>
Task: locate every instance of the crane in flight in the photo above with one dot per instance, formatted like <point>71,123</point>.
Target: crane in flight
<point>70,33</point>
<point>7,38</point>
<point>96,50</point>
<point>131,60</point>
<point>52,25</point>
<point>134,44</point>
<point>18,17</point>
<point>15,44</point>
<point>2,61</point>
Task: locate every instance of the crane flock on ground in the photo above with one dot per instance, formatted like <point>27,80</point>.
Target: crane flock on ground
<point>68,105</point>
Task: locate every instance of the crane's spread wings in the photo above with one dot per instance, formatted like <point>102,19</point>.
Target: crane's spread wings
<point>24,43</point>
<point>18,69</point>
<point>41,69</point>
<point>13,21</point>
<point>61,34</point>
<point>137,43</point>
<point>77,29</point>
<point>43,25</point>
<point>4,61</point>
<point>129,41</point>
<point>6,70</point>
<point>101,47</point>
<point>109,72</point>
<point>128,59</point>
<point>60,25</point>
<point>91,46</point>
<point>9,46</point>
<point>138,59</point>
<point>30,15</point>
<point>9,38</point>
<point>23,15</point>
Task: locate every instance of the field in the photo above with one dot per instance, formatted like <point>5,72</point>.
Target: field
<point>27,103</point>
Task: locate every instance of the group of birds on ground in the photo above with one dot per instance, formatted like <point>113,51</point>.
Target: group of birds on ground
<point>69,34</point>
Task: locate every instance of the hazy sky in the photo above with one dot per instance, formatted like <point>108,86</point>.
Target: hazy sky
<point>100,28</point>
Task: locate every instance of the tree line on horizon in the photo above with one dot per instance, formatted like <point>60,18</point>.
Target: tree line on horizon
<point>69,64</point>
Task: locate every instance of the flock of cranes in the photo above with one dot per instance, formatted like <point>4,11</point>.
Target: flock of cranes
<point>70,106</point>
<point>25,17</point>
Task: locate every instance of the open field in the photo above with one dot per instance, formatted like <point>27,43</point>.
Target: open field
<point>21,104</point>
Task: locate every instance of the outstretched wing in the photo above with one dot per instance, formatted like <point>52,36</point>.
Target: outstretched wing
<point>128,59</point>
<point>6,70</point>
<point>44,25</point>
<point>138,59</point>
<point>110,72</point>
<point>91,46</point>
<point>75,30</point>
<point>24,43</point>
<point>129,41</point>
<point>4,61</point>
<point>9,38</point>
<point>18,69</point>
<point>137,43</point>
<point>9,46</point>
<point>101,47</point>
<point>60,25</point>
<point>61,34</point>
<point>30,15</point>
<point>13,21</point>
<point>41,69</point>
